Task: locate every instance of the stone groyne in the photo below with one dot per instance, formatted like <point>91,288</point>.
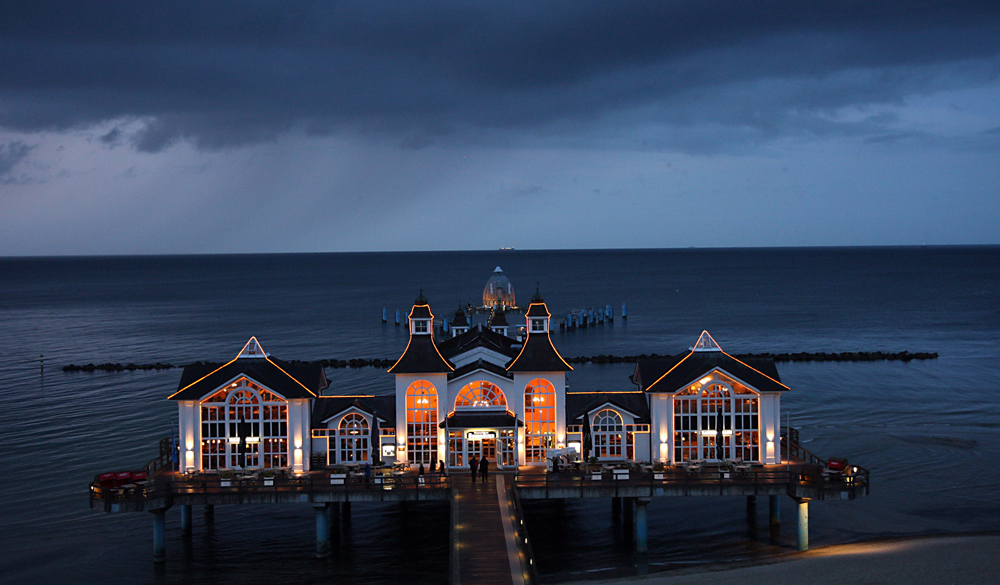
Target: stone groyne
<point>846,356</point>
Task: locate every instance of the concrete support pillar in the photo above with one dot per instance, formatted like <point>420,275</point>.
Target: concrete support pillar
<point>752,509</point>
<point>159,535</point>
<point>774,503</point>
<point>641,527</point>
<point>186,519</point>
<point>322,530</point>
<point>803,531</point>
<point>616,507</point>
<point>345,510</point>
<point>209,513</point>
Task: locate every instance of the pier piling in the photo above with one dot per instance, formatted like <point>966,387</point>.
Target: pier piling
<point>641,529</point>
<point>774,503</point>
<point>322,530</point>
<point>751,509</point>
<point>803,532</point>
<point>159,535</point>
<point>186,519</point>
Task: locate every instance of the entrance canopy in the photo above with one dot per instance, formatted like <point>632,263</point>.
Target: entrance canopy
<point>477,420</point>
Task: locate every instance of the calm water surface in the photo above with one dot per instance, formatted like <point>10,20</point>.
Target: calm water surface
<point>927,430</point>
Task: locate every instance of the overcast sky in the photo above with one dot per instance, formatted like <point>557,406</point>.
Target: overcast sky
<point>281,126</point>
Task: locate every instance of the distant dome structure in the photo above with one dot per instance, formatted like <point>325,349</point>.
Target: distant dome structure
<point>498,291</point>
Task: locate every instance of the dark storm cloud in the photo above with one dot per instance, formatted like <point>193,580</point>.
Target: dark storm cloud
<point>225,73</point>
<point>11,154</point>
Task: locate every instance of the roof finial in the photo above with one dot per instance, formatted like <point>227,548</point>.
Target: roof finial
<point>421,300</point>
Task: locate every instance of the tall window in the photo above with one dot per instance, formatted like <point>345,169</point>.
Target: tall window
<point>608,431</point>
<point>244,425</point>
<point>716,418</point>
<point>539,419</point>
<point>480,394</point>
<point>351,443</point>
<point>421,422</point>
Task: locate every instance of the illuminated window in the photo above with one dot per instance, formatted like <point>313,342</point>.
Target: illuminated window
<point>244,425</point>
<point>609,434</point>
<point>419,326</point>
<point>716,418</point>
<point>421,422</point>
<point>539,419</point>
<point>480,394</point>
<point>351,442</point>
<point>537,325</point>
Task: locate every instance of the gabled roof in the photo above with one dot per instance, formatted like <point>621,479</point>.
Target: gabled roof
<point>538,354</point>
<point>580,403</point>
<point>479,365</point>
<point>289,379</point>
<point>384,407</point>
<point>475,337</point>
<point>673,374</point>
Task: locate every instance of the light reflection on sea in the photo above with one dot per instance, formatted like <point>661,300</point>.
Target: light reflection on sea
<point>928,431</point>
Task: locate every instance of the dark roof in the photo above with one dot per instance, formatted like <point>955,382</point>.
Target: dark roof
<point>673,374</point>
<point>384,407</point>
<point>459,319</point>
<point>421,312</point>
<point>498,318</point>
<point>289,379</point>
<point>460,419</point>
<point>479,365</point>
<point>538,354</point>
<point>478,337</point>
<point>578,404</point>
<point>421,356</point>
<point>537,310</point>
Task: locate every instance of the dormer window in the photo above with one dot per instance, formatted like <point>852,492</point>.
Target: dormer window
<point>419,326</point>
<point>538,325</point>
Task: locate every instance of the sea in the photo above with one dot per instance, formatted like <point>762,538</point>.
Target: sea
<point>928,431</point>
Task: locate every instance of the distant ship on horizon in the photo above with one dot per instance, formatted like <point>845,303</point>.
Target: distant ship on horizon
<point>507,247</point>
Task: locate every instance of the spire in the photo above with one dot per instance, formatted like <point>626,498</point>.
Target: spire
<point>538,297</point>
<point>421,299</point>
<point>252,350</point>
<point>705,343</point>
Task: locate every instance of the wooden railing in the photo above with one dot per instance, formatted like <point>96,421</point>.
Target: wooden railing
<point>310,483</point>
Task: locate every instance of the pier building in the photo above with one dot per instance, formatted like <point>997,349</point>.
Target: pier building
<point>259,430</point>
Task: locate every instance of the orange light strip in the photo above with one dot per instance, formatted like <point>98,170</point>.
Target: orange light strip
<point>670,370</point>
<point>349,396</point>
<point>547,336</point>
<point>758,371</point>
<point>608,392</point>
<point>291,376</point>
<point>434,345</point>
<point>205,376</point>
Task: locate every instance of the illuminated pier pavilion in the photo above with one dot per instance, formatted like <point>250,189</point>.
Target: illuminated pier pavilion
<point>260,430</point>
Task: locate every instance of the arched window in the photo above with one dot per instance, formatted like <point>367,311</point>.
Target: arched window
<point>244,425</point>
<point>539,419</point>
<point>608,430</point>
<point>480,394</point>
<point>421,422</point>
<point>353,439</point>
<point>716,419</point>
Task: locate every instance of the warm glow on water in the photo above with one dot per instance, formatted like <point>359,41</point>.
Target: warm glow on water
<point>928,430</point>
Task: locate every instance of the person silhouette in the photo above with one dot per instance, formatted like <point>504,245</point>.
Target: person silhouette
<point>473,466</point>
<point>484,468</point>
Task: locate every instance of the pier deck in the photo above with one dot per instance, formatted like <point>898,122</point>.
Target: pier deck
<point>484,547</point>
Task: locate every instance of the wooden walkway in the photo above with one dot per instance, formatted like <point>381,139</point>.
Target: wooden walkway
<point>484,549</point>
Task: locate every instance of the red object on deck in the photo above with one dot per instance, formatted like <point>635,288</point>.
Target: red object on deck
<point>837,464</point>
<point>123,477</point>
<point>139,475</point>
<point>107,479</point>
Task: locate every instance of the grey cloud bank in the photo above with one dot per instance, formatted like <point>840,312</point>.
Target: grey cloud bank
<point>331,105</point>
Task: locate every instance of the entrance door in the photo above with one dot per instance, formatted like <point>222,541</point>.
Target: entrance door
<point>490,449</point>
<point>475,448</point>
